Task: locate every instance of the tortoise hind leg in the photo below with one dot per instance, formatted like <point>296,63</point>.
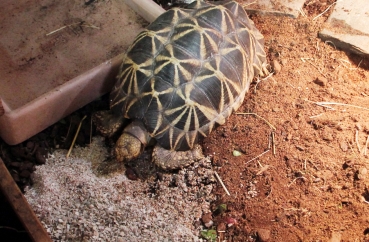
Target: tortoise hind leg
<point>169,159</point>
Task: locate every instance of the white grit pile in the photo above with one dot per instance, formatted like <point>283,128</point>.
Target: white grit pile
<point>75,204</point>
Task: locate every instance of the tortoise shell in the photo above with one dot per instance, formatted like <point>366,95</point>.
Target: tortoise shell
<point>188,71</point>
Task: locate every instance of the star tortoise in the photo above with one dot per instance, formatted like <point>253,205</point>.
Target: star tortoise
<point>182,76</point>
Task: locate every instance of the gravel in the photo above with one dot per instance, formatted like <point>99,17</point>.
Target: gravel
<point>75,203</point>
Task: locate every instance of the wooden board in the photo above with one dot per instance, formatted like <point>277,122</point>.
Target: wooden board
<point>21,207</point>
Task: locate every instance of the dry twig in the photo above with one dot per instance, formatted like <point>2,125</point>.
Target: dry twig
<point>14,229</point>
<point>273,144</point>
<point>81,23</point>
<point>352,150</point>
<point>301,177</point>
<point>324,104</point>
<point>330,42</point>
<point>266,121</point>
<point>248,4</point>
<point>341,104</point>
<point>262,79</point>
<point>257,156</point>
<point>303,14</point>
<point>272,135</point>
<point>75,137</point>
<point>316,116</point>
<point>357,140</point>
<point>324,11</point>
<point>307,60</point>
<point>366,146</point>
<point>221,183</point>
<point>263,169</point>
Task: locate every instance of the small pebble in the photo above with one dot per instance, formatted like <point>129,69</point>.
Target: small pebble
<point>207,220</point>
<point>236,153</point>
<point>339,127</point>
<point>354,118</point>
<point>221,227</point>
<point>327,135</point>
<point>230,221</point>
<point>30,145</point>
<point>289,136</point>
<point>336,237</point>
<point>131,174</point>
<point>362,173</point>
<point>343,146</point>
<point>349,163</point>
<point>321,81</point>
<point>300,148</point>
<point>263,234</point>
<point>276,67</point>
<point>40,156</point>
<point>324,174</point>
<point>27,166</point>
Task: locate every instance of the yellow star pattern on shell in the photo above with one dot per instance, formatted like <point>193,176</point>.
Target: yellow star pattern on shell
<point>188,71</point>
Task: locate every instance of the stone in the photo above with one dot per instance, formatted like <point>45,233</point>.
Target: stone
<point>343,146</point>
<point>276,66</point>
<point>221,227</point>
<point>327,135</point>
<point>335,237</point>
<point>207,220</point>
<point>41,156</point>
<point>347,27</point>
<point>289,136</point>
<point>284,8</point>
<point>131,174</point>
<point>263,234</point>
<point>362,173</point>
<point>300,148</point>
<point>321,81</point>
<point>324,174</point>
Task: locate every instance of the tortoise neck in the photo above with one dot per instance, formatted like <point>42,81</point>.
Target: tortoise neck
<point>138,130</point>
